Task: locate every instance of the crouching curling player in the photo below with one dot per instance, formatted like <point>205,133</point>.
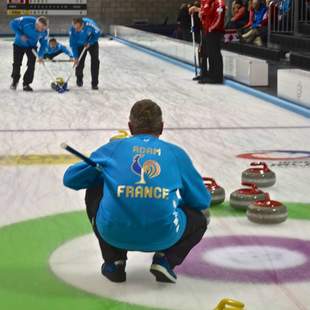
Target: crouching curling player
<point>149,197</point>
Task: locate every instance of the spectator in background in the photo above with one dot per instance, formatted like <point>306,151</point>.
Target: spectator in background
<point>285,14</point>
<point>184,23</point>
<point>212,14</point>
<point>197,23</point>
<point>257,25</point>
<point>239,17</point>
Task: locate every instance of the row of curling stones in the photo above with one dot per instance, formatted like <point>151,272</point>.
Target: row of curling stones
<point>260,208</point>
<point>259,174</point>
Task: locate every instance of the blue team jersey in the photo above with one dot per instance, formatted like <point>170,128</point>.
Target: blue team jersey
<point>25,26</point>
<point>146,180</point>
<point>58,48</point>
<point>90,34</point>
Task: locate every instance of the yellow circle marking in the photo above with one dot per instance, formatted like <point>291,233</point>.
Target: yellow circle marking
<point>36,159</point>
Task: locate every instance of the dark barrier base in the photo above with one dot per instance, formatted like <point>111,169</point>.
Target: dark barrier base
<point>262,52</point>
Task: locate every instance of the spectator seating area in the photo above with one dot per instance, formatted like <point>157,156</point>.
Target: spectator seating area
<point>272,30</point>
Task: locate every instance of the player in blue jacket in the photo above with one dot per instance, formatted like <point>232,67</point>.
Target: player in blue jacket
<point>28,31</point>
<point>84,32</point>
<point>153,197</point>
<point>55,48</point>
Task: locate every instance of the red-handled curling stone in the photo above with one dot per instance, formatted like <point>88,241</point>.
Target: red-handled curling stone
<point>217,192</point>
<point>243,197</point>
<point>259,174</point>
<point>267,211</point>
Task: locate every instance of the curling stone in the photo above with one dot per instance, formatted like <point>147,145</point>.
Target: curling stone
<point>243,197</point>
<point>261,175</point>
<point>267,211</point>
<point>217,192</point>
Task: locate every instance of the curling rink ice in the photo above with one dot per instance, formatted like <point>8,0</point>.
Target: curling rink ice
<point>48,257</point>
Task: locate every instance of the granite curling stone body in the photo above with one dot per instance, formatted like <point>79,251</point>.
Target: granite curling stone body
<point>243,197</point>
<point>259,174</point>
<point>267,211</point>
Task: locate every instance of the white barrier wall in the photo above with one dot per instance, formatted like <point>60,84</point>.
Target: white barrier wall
<point>294,85</point>
<point>248,70</point>
<point>172,47</point>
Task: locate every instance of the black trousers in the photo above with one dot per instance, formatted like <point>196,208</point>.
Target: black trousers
<point>195,229</point>
<point>212,59</point>
<point>93,50</point>
<point>18,55</point>
<point>52,55</point>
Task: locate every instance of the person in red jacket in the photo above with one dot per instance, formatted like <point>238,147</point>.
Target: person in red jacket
<point>212,15</point>
<point>239,17</point>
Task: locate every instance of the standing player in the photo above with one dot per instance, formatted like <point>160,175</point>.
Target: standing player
<point>148,197</point>
<point>28,31</point>
<point>85,33</point>
<point>212,14</point>
<point>55,48</point>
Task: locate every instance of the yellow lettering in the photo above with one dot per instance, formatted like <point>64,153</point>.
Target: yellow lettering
<point>157,152</point>
<point>129,192</point>
<point>165,193</point>
<point>157,192</point>
<point>139,192</point>
<point>148,192</point>
<point>142,192</point>
<point>143,150</point>
<point>120,190</point>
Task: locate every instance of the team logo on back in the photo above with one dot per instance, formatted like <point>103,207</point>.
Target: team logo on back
<point>149,168</point>
<point>146,171</point>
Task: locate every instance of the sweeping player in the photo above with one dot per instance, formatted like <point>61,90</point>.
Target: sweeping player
<point>148,197</point>
<point>55,48</point>
<point>28,31</point>
<point>85,33</point>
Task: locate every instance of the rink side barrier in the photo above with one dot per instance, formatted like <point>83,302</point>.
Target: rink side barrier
<point>180,53</point>
<point>247,70</point>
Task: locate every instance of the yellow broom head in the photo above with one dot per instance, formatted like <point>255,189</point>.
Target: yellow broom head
<point>60,81</point>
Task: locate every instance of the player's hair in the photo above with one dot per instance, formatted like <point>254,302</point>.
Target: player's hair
<point>43,20</point>
<point>146,117</point>
<point>77,20</point>
<point>52,40</point>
